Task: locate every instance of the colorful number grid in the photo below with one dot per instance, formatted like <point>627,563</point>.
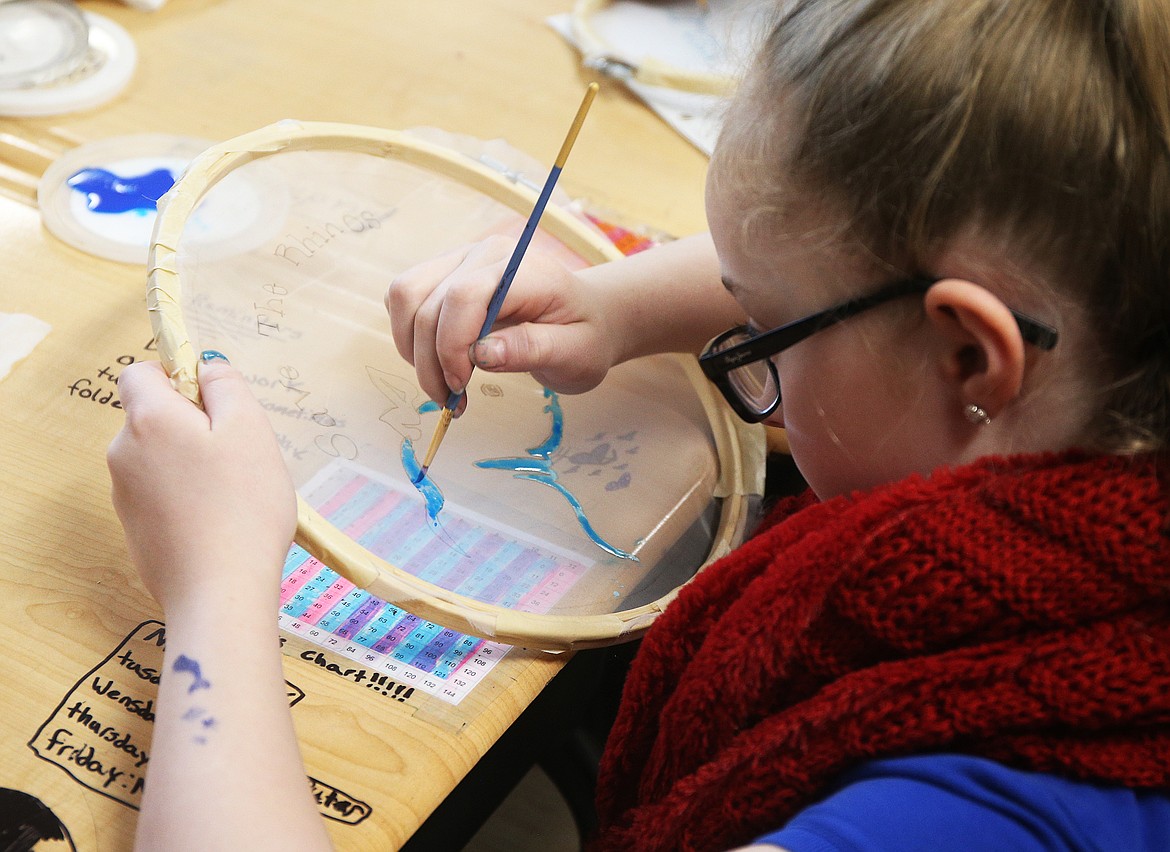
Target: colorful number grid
<point>469,556</point>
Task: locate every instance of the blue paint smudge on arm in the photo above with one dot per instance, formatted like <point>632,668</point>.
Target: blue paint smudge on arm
<point>186,664</point>
<point>107,192</point>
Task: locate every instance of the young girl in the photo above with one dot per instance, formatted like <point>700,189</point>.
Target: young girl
<point>940,230</point>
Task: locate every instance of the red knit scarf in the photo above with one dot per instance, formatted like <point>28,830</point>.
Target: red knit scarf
<point>1017,609</point>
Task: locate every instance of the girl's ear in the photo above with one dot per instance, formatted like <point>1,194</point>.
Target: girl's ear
<point>983,351</point>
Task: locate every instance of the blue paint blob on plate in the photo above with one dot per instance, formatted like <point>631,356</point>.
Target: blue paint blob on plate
<point>106,191</point>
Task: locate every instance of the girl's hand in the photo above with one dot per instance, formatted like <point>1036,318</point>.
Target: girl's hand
<point>200,493</point>
<point>552,323</point>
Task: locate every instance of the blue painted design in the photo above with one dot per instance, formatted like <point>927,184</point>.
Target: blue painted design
<point>107,192</point>
<point>429,405</point>
<point>622,481</point>
<point>427,488</point>
<point>556,432</point>
<point>538,468</point>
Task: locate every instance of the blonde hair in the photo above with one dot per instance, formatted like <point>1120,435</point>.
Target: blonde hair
<point>1048,120</point>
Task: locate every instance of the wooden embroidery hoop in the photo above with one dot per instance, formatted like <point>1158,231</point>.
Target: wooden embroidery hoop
<point>649,71</point>
<point>739,447</point>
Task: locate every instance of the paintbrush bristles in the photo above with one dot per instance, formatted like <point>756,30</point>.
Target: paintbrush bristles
<point>436,439</point>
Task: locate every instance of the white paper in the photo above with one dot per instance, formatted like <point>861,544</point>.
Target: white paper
<point>19,335</point>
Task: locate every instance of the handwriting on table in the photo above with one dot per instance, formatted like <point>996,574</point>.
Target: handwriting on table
<point>100,732</point>
<point>339,806</point>
<point>101,386</point>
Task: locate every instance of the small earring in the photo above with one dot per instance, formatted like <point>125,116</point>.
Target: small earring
<point>976,415</point>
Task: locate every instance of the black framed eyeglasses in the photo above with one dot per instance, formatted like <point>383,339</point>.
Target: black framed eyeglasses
<point>739,361</point>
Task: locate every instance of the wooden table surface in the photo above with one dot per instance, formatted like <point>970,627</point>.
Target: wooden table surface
<point>81,635</point>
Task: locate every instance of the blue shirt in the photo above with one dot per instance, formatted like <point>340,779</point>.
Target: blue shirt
<point>941,802</point>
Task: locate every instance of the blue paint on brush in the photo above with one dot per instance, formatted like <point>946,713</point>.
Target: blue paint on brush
<point>425,485</point>
<point>107,192</point>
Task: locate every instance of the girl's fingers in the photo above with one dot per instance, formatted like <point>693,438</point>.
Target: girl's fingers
<point>142,384</point>
<point>410,289</point>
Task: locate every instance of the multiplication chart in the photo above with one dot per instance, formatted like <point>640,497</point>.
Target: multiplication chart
<point>466,554</point>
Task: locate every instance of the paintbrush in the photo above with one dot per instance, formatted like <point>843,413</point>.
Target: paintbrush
<point>501,290</point>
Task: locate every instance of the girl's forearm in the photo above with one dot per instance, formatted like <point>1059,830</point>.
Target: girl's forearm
<point>668,299</point>
<point>225,769</point>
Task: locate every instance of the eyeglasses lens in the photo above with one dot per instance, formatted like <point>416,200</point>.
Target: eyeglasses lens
<point>754,382</point>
